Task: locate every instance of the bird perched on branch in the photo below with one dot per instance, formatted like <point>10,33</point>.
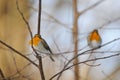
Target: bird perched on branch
<point>94,39</point>
<point>41,46</point>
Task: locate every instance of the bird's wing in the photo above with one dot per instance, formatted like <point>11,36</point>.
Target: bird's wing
<point>46,45</point>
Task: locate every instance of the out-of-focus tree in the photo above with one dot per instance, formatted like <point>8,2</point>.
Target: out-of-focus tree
<point>13,31</point>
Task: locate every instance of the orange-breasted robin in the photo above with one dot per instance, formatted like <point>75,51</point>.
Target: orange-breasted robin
<point>41,46</point>
<point>94,39</point>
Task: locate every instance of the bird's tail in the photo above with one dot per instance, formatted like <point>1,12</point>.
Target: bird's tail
<point>51,58</point>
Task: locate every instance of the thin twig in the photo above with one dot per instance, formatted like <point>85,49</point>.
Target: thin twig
<point>19,53</point>
<point>41,68</point>
<point>55,20</point>
<point>108,22</point>
<point>113,74</point>
<point>18,71</point>
<point>91,7</point>
<point>39,17</point>
<point>84,62</point>
<point>1,74</point>
<point>95,59</point>
<point>39,57</point>
<point>11,76</point>
<point>22,15</point>
<point>80,55</point>
<point>62,56</point>
<point>28,26</point>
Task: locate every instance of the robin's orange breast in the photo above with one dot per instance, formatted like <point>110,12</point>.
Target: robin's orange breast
<point>36,41</point>
<point>94,36</point>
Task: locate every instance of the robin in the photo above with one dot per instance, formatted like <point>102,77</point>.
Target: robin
<point>94,39</point>
<point>41,45</point>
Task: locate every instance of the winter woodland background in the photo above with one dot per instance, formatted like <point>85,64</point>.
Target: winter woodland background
<point>65,25</point>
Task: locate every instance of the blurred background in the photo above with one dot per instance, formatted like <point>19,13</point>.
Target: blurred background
<point>57,28</point>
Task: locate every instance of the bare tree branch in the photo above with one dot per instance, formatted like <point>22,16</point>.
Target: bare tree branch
<point>22,15</point>
<point>65,67</point>
<point>84,62</point>
<point>28,26</point>
<point>39,17</point>
<point>38,32</point>
<point>2,76</point>
<point>109,22</point>
<point>19,53</point>
<point>91,7</point>
<point>75,39</point>
<point>53,19</point>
